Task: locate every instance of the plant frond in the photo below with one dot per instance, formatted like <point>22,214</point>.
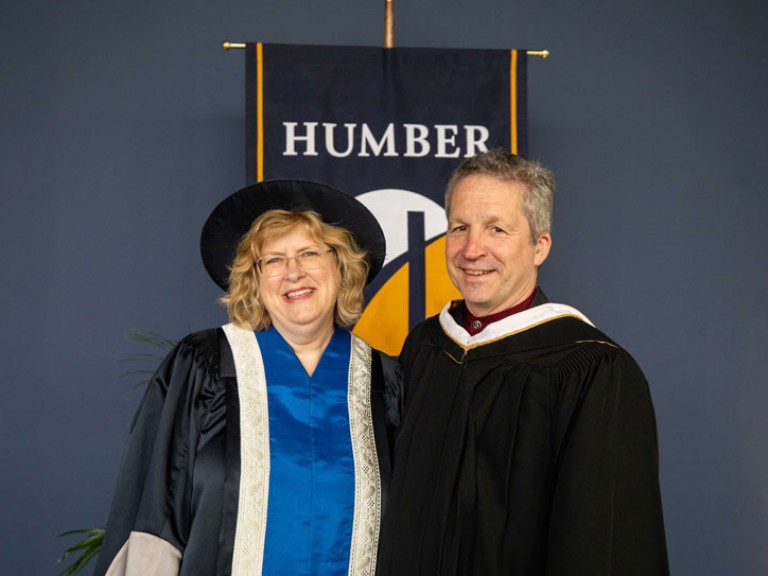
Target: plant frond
<point>152,338</point>
<point>88,548</point>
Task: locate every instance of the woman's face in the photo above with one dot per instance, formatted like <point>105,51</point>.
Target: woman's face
<point>299,283</point>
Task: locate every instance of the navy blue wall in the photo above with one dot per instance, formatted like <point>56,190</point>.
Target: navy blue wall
<point>121,125</point>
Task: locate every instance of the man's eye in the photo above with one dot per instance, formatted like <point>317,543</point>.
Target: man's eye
<point>459,228</point>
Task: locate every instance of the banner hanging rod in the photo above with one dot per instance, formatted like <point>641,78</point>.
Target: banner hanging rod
<point>241,45</point>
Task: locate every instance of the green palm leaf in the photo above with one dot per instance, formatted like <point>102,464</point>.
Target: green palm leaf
<point>87,548</point>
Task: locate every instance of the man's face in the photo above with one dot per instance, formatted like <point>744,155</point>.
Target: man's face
<point>488,249</point>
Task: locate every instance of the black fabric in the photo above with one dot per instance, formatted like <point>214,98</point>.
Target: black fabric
<point>226,539</point>
<point>180,475</point>
<point>385,391</point>
<point>532,455</point>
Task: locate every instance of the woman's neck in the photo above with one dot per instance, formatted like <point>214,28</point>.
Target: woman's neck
<point>308,347</point>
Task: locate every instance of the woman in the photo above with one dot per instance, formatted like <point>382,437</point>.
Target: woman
<point>262,447</point>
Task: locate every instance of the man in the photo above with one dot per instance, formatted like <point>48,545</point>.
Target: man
<point>528,441</point>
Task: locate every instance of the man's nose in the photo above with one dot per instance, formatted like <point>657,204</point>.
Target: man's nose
<point>474,247</point>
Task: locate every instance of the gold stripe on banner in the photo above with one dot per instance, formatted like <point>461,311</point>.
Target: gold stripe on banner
<point>259,113</point>
<point>513,101</point>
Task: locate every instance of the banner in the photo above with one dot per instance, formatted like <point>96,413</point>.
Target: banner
<point>387,126</point>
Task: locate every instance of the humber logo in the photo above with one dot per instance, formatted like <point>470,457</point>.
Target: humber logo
<point>414,227</point>
<point>406,140</point>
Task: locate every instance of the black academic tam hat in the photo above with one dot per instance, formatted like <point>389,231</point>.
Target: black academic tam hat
<point>233,217</point>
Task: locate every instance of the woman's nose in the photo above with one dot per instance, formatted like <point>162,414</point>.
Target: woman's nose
<point>293,269</point>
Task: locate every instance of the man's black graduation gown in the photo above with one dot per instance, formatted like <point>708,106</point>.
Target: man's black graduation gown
<point>532,451</point>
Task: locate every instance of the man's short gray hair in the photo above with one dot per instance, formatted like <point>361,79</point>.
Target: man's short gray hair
<point>539,184</point>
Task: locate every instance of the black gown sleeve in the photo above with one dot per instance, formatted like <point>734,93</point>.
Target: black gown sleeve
<point>606,515</point>
<point>393,390</point>
<point>153,489</point>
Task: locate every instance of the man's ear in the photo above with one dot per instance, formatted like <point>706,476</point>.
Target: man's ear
<point>543,244</point>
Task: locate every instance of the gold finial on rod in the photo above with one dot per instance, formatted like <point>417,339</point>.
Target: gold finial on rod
<point>389,23</point>
<point>227,45</point>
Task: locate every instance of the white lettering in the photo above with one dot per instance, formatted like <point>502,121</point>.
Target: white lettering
<point>477,136</point>
<point>416,134</point>
<point>330,130</point>
<point>413,140</point>
<point>291,138</point>
<point>443,138</point>
<point>387,139</point>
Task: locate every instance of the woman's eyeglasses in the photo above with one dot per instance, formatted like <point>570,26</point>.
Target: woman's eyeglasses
<point>306,259</point>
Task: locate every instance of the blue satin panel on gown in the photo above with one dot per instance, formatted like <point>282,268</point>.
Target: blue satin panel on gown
<point>311,480</point>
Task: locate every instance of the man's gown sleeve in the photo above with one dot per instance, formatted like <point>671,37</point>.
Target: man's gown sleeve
<point>606,515</point>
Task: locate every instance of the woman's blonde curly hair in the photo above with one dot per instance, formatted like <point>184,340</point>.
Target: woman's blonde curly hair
<point>243,300</point>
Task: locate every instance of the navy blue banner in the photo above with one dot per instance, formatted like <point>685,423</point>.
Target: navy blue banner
<point>388,126</point>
